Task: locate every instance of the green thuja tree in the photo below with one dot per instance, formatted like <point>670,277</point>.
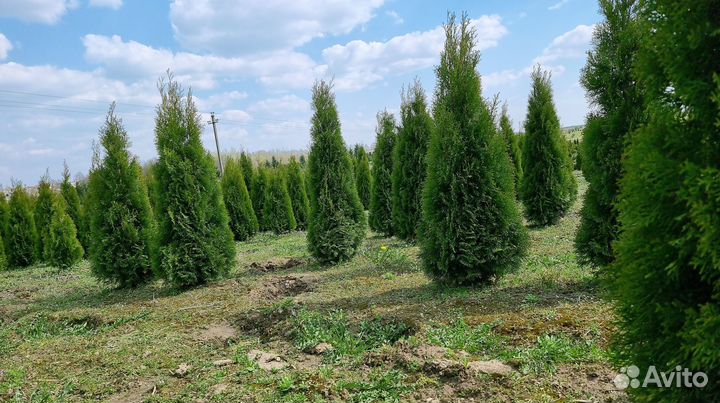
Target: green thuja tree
<point>511,146</point>
<point>298,195</point>
<point>277,206</point>
<point>548,186</point>
<point>3,257</point>
<point>259,186</point>
<point>618,110</point>
<point>243,222</point>
<point>122,229</point>
<point>666,272</point>
<point>337,220</point>
<point>21,237</point>
<point>74,209</point>
<point>195,241</point>
<point>381,197</point>
<point>472,231</point>
<point>409,162</point>
<point>62,247</point>
<point>363,177</point>
<point>248,172</point>
<point>43,213</point>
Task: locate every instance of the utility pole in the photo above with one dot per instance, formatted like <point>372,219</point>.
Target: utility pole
<point>212,122</point>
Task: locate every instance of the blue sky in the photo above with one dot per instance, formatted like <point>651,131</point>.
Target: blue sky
<point>253,62</point>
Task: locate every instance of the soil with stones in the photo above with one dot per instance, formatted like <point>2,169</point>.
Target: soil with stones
<point>274,265</point>
<point>283,287</point>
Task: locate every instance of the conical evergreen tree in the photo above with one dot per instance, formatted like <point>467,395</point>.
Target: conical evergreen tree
<point>363,177</point>
<point>667,262</point>
<point>260,184</point>
<point>337,220</point>
<point>122,230</point>
<point>248,172</point>
<point>615,95</point>
<point>243,222</point>
<point>43,214</point>
<point>72,201</point>
<point>471,229</point>
<point>22,238</point>
<point>381,196</point>
<point>409,162</point>
<point>298,195</point>
<point>511,145</point>
<point>196,243</point>
<point>62,248</point>
<point>277,207</point>
<point>548,186</point>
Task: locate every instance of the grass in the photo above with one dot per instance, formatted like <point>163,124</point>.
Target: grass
<point>66,337</point>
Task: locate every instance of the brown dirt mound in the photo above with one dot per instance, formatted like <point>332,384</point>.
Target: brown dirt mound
<point>221,333</point>
<point>274,265</point>
<point>286,286</point>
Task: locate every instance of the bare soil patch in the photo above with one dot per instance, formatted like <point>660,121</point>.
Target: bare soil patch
<point>274,265</point>
<point>283,287</point>
<point>221,333</point>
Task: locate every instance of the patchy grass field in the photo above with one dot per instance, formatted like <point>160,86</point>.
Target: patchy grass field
<point>282,328</point>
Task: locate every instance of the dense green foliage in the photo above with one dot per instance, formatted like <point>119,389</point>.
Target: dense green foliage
<point>195,240</point>
<point>381,197</point>
<point>337,220</point>
<point>4,214</point>
<point>277,207</point>
<point>43,214</point>
<point>122,230</point>
<point>667,262</point>
<point>3,257</point>
<point>248,172</point>
<point>298,194</point>
<point>409,166</point>
<point>615,95</point>
<point>243,222</point>
<point>74,209</point>
<point>548,186</point>
<point>471,230</point>
<point>21,237</point>
<point>62,248</point>
<point>260,183</point>
<point>363,178</point>
<point>512,148</point>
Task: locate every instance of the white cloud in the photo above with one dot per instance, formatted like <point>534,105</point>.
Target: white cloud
<point>232,27</point>
<point>359,63</point>
<point>572,44</point>
<point>557,5</point>
<point>397,19</point>
<point>284,69</point>
<point>5,46</point>
<point>43,11</point>
<point>113,4</point>
<point>281,106</point>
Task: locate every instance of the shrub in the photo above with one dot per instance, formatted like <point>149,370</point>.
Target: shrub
<point>615,95</point>
<point>74,210</point>
<point>548,186</point>
<point>472,230</point>
<point>298,195</point>
<point>3,257</point>
<point>363,177</point>
<point>277,207</point>
<point>243,222</point>
<point>43,214</point>
<point>667,266</point>
<point>512,148</point>
<point>4,213</point>
<point>196,243</point>
<point>22,239</point>
<point>62,248</point>
<point>381,198</point>
<point>337,220</point>
<point>248,172</point>
<point>122,230</point>
<point>409,165</point>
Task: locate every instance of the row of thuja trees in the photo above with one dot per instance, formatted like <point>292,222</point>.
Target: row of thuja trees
<point>42,227</point>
